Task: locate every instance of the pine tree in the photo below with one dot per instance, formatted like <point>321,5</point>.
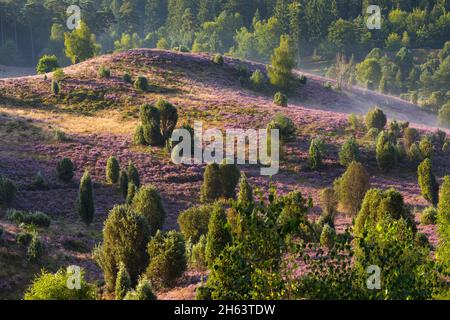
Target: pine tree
<point>85,203</point>
<point>283,61</point>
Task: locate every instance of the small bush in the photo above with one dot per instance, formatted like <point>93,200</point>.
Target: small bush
<point>35,249</point>
<point>303,79</point>
<point>218,59</point>
<point>147,202</point>
<point>211,188</point>
<point>65,169</point>
<point>376,118</point>
<point>197,260</point>
<point>245,195</point>
<point>141,83</point>
<point>414,154</point>
<point>131,193</point>
<point>316,151</point>
<point>8,190</point>
<point>444,115</point>
<point>194,222</point>
<point>123,183</point>
<point>37,218</point>
<point>284,124</point>
<point>426,147</point>
<point>139,138</point>
<point>280,99</point>
<point>59,74</point>
<point>328,202</point>
<point>349,152</point>
<point>429,216</point>
<point>48,286</point>
<point>126,77</point>
<point>56,88</point>
<point>151,125</point>
<point>372,134</point>
<point>60,136</point>
<point>328,237</point>
<point>104,72</point>
<point>112,170</point>
<point>258,80</point>
<point>143,291</point>
<point>427,182</point>
<point>355,122</point>
<point>85,202</point>
<point>386,153</point>
<point>133,174</point>
<point>229,177</point>
<point>47,63</point>
<point>24,238</point>
<point>123,282</point>
<point>218,235</point>
<point>168,118</point>
<point>167,258</point>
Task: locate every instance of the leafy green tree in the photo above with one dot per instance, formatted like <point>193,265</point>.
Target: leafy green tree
<point>342,35</point>
<point>369,73</point>
<point>427,182</point>
<point>444,115</point>
<point>349,152</point>
<point>168,117</point>
<point>282,63</point>
<point>80,44</point>
<point>47,63</point>
<point>376,118</point>
<point>85,202</point>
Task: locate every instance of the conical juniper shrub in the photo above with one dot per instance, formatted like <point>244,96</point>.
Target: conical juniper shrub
<point>85,202</point>
<point>168,117</point>
<point>112,170</point>
<point>65,169</point>
<point>123,183</point>
<point>133,174</point>
<point>229,178</point>
<point>427,182</point>
<point>148,203</point>
<point>211,188</point>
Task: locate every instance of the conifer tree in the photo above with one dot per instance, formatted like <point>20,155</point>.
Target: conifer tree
<point>283,61</point>
<point>85,202</point>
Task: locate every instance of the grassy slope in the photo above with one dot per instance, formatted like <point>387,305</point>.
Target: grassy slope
<point>99,115</point>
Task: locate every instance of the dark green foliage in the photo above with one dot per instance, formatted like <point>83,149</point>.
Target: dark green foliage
<point>8,190</point>
<point>131,192</point>
<point>327,237</point>
<point>428,216</point>
<point>148,203</point>
<point>328,203</point>
<point>144,291</point>
<point>349,152</point>
<point>127,78</point>
<point>123,282</point>
<point>211,189</point>
<point>426,147</point>
<point>282,63</point>
<point>104,72</point>
<point>125,238</point>
<point>280,99</point>
<point>168,118</point>
<point>444,115</point>
<point>245,195</point>
<point>39,181</point>
<point>47,63</point>
<point>194,222</point>
<point>427,182</point>
<point>352,187</point>
<point>386,153</point>
<point>443,223</point>
<point>197,260</point>
<point>37,218</point>
<point>141,83</point>
<point>414,154</point>
<point>64,169</point>
<point>410,135</point>
<point>229,178</point>
<point>48,286</point>
<point>151,117</point>
<point>35,249</point>
<point>217,59</point>
<point>139,138</point>
<point>284,124</point>
<point>24,238</point>
<point>123,183</point>
<point>133,174</point>
<point>316,151</point>
<point>293,216</point>
<point>167,258</point>
<point>258,80</point>
<point>85,202</point>
<point>56,88</point>
<point>379,204</point>
<point>218,236</point>
<point>112,170</point>
<point>376,118</point>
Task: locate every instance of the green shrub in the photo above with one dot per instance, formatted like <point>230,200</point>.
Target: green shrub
<point>197,260</point>
<point>59,74</point>
<point>229,177</point>
<point>376,118</point>
<point>316,151</point>
<point>123,282</point>
<point>444,115</point>
<point>37,218</point>
<point>414,154</point>
<point>85,202</point>
<point>211,188</point>
<point>141,83</point>
<point>104,72</point>
<point>410,136</point>
<point>280,99</point>
<point>112,170</point>
<point>427,182</point>
<point>148,203</point>
<point>143,291</point>
<point>162,44</point>
<point>284,124</point>
<point>47,63</point>
<point>39,181</point>
<point>327,237</point>
<point>218,59</point>
<point>35,249</point>
<point>56,88</point>
<point>60,136</point>
<point>400,151</point>
<point>257,80</point>
<point>386,154</point>
<point>282,64</point>
<point>194,222</point>
<point>351,187</point>
<point>429,216</point>
<point>125,238</point>
<point>218,234</point>
<point>151,118</point>
<point>168,118</point>
<point>303,79</point>
<point>372,134</point>
<point>349,152</point>
<point>127,78</point>
<point>443,223</point>
<point>356,122</point>
<point>64,169</point>
<point>446,147</point>
<point>245,195</point>
<point>8,190</point>
<point>379,204</point>
<point>133,174</point>
<point>24,238</point>
<point>167,258</point>
<point>48,286</point>
<point>123,183</point>
<point>328,202</point>
<point>131,192</point>
<point>426,147</point>
<point>139,138</point>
